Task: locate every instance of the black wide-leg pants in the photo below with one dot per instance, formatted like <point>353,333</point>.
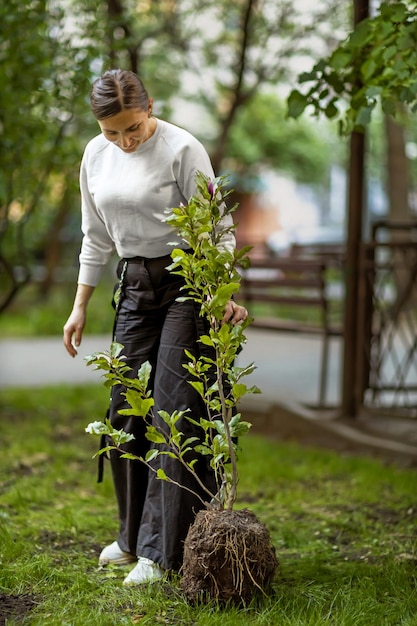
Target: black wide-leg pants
<point>153,326</point>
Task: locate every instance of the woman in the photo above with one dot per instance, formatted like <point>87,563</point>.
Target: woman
<point>130,174</point>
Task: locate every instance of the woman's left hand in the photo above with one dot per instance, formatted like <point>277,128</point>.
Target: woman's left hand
<point>234,313</point>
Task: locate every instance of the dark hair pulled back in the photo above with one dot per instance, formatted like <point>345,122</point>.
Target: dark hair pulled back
<point>115,91</point>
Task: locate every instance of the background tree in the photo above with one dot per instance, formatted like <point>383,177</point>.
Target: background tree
<point>248,45</point>
<point>147,37</point>
<point>43,91</point>
<point>374,67</point>
<point>375,64</point>
<point>48,58</point>
<point>262,136</point>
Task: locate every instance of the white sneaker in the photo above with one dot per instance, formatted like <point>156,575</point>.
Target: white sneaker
<point>114,555</point>
<point>146,571</point>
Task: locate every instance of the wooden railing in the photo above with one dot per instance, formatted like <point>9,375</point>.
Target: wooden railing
<point>293,283</point>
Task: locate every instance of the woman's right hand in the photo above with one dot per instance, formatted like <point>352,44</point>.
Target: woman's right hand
<point>73,329</point>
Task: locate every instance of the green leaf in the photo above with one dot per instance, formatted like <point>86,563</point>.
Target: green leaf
<point>373,91</point>
<point>406,95</point>
<point>389,106</point>
<point>223,294</point>
<point>144,374</point>
<point>401,69</point>
<point>199,387</point>
<point>151,455</point>
<point>306,77</point>
<point>203,449</point>
<point>363,116</point>
<point>340,59</point>
<point>206,340</point>
<point>243,371</point>
<point>297,104</point>
<point>189,441</point>
<point>368,69</point>
<point>171,455</point>
<point>320,66</point>
<point>331,110</point>
<point>115,349</point>
<point>405,41</point>
<point>336,82</point>
<point>105,449</point>
<point>389,53</point>
<point>120,437</point>
<point>238,427</point>
<point>130,456</point>
<point>155,436</point>
<point>167,418</point>
<point>239,390</point>
<point>361,35</point>
<point>162,475</point>
<point>139,406</point>
<point>394,12</point>
<point>216,460</point>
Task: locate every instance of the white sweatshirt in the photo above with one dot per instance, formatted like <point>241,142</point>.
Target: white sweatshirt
<point>125,196</point>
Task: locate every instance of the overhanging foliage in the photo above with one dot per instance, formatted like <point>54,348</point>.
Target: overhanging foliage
<point>376,63</point>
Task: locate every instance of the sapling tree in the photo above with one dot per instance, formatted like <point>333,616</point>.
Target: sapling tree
<point>210,269</point>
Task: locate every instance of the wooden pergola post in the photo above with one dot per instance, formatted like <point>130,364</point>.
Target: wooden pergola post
<point>354,238</point>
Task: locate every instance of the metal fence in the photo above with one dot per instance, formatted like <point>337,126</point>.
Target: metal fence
<point>387,321</point>
<point>386,332</point>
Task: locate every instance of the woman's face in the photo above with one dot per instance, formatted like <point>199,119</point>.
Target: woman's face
<point>129,128</point>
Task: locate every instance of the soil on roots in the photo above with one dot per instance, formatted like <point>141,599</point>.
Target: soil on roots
<point>228,556</point>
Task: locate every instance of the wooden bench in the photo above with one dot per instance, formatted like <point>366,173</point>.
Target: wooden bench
<point>294,282</point>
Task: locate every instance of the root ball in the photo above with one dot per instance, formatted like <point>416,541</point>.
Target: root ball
<point>228,556</point>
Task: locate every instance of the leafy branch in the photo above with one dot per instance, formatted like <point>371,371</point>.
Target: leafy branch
<point>375,64</point>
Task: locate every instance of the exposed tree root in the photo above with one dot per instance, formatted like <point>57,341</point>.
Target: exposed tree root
<point>228,556</point>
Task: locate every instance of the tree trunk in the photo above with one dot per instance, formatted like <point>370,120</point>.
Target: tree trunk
<point>398,181</point>
<point>239,95</point>
<point>350,401</point>
<point>53,244</point>
<point>398,185</point>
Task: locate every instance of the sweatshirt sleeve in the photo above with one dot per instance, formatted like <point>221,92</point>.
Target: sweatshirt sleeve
<point>97,246</point>
<point>193,159</point>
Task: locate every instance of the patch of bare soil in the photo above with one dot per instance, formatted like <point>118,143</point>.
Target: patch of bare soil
<point>228,556</point>
<point>12,606</point>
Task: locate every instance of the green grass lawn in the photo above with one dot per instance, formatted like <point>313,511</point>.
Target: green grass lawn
<point>344,528</point>
<point>31,315</point>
